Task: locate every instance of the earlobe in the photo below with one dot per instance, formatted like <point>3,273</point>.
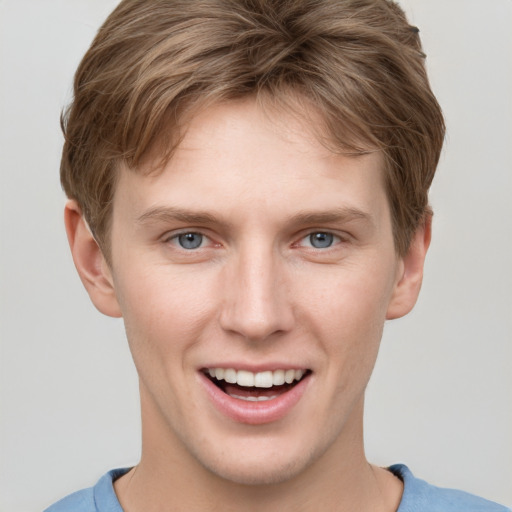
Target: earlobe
<point>90,262</point>
<point>408,285</point>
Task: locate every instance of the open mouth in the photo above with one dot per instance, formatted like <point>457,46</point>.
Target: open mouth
<point>255,387</point>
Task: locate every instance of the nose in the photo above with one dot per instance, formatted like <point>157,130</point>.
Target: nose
<point>256,302</point>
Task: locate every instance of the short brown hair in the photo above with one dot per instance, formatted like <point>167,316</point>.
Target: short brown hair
<point>358,62</point>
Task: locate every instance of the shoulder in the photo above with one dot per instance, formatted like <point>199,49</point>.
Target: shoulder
<point>419,496</point>
<point>80,501</point>
<point>100,498</point>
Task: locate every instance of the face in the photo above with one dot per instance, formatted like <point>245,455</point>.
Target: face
<point>254,275</point>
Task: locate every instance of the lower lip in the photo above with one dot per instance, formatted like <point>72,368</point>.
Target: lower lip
<point>254,413</point>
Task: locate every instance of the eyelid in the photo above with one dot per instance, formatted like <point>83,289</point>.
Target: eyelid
<point>336,240</point>
<point>304,235</point>
<point>172,236</point>
<point>338,237</point>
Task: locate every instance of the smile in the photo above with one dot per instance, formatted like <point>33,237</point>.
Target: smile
<point>259,380</point>
<point>255,387</point>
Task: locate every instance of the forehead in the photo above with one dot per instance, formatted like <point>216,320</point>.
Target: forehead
<point>288,122</point>
<point>240,155</point>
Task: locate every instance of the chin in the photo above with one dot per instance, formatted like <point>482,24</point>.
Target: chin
<point>258,467</point>
<point>268,474</point>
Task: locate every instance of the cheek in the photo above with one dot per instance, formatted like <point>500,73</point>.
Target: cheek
<point>348,299</point>
<point>164,313</point>
<point>347,313</point>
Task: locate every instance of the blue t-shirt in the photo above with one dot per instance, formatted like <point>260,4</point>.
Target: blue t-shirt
<point>418,496</point>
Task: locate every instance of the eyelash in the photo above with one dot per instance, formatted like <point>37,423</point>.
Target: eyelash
<point>332,240</point>
<point>174,239</point>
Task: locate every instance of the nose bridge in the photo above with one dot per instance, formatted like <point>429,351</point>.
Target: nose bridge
<point>256,299</point>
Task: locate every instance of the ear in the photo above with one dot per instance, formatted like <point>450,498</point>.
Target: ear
<point>90,262</point>
<point>410,276</point>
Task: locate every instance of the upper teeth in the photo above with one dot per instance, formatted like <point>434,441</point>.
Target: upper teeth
<point>265,379</point>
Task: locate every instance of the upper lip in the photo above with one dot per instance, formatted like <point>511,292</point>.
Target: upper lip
<point>256,368</point>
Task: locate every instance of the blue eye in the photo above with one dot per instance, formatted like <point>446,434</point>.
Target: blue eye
<point>190,240</point>
<point>321,240</point>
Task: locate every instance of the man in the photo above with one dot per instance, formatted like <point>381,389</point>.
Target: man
<point>248,185</point>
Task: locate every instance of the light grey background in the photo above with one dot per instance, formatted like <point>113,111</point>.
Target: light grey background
<point>440,399</point>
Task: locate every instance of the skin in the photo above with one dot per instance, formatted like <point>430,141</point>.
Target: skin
<point>256,292</point>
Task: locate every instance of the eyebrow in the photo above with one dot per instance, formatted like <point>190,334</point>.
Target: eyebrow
<point>170,214</point>
<point>338,215</point>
